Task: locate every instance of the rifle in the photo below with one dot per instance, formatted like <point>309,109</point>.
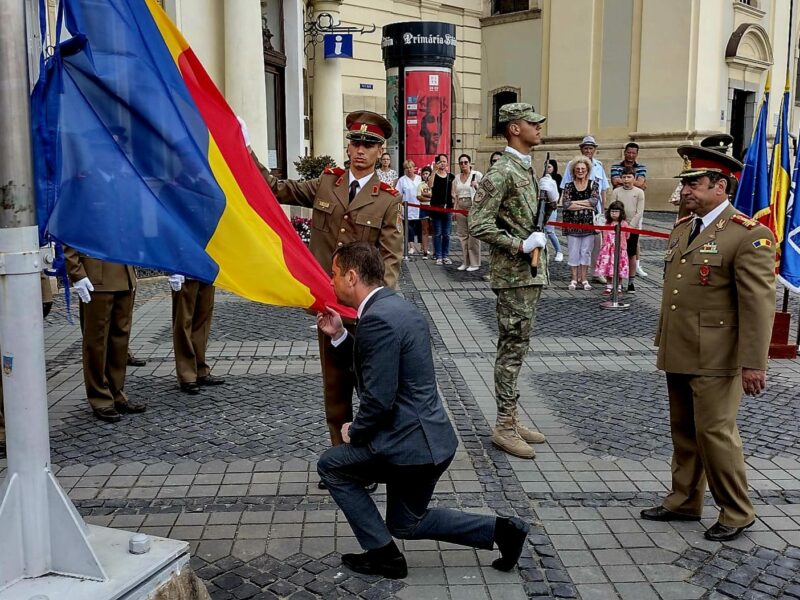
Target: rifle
<point>539,221</point>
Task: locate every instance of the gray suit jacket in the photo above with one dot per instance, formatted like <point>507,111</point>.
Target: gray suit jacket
<point>400,416</point>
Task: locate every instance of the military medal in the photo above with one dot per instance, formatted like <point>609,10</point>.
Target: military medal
<point>324,204</point>
<point>705,273</point>
<point>709,248</point>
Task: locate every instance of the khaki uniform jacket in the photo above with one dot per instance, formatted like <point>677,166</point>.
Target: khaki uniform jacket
<point>718,303</point>
<point>374,216</point>
<point>105,276</point>
<point>503,214</point>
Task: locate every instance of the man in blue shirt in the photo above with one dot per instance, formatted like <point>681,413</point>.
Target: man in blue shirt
<point>629,156</point>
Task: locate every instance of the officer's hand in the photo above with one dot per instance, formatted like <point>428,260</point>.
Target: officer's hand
<point>346,433</point>
<point>535,240</point>
<point>330,323</point>
<point>83,287</point>
<point>754,381</point>
<point>176,282</point>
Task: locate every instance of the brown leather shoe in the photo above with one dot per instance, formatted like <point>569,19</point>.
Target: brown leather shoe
<point>659,513</point>
<point>723,533</point>
<point>210,380</point>
<point>136,362</point>
<point>108,414</point>
<point>130,407</point>
<point>190,387</point>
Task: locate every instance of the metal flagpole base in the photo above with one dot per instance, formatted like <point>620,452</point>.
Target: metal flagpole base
<point>611,305</point>
<point>130,576</point>
<point>71,552</point>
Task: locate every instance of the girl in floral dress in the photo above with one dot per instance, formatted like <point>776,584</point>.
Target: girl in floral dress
<point>615,213</point>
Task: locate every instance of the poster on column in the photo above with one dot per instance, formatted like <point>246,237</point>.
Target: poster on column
<point>393,116</point>
<point>427,114</point>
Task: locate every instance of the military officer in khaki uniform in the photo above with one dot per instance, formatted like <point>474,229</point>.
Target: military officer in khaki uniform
<point>106,312</point>
<point>349,206</point>
<point>713,337</point>
<point>503,214</point>
<point>192,309</point>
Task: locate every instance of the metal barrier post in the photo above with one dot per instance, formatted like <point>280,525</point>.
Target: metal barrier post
<point>614,303</point>
<point>405,231</point>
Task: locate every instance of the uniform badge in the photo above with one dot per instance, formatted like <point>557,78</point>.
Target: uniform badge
<point>324,204</point>
<point>709,248</point>
<point>339,181</point>
<point>705,274</point>
<point>486,184</point>
<point>720,225</point>
<point>762,243</point>
<point>375,189</point>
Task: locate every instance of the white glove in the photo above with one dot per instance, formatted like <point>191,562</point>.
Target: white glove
<point>83,287</point>
<point>535,240</point>
<point>176,282</point>
<point>548,185</point>
<point>245,133</point>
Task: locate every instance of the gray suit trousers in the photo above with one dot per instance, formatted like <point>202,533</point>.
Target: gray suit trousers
<point>346,469</point>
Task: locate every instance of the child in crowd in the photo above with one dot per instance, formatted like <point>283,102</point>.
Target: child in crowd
<point>615,213</point>
<point>632,199</point>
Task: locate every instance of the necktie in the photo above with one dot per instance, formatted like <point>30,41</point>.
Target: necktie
<point>353,189</point>
<point>695,229</point>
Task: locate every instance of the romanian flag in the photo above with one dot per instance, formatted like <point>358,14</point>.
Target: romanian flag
<point>140,160</point>
<point>752,194</point>
<point>780,177</point>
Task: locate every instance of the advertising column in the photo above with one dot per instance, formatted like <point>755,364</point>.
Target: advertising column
<point>419,59</point>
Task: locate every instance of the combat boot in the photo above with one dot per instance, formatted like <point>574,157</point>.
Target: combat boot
<point>526,433</point>
<point>505,437</point>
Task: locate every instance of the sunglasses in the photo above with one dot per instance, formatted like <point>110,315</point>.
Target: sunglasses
<point>463,162</point>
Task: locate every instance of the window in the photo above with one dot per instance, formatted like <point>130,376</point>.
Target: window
<point>502,7</point>
<point>498,100</point>
<point>274,73</point>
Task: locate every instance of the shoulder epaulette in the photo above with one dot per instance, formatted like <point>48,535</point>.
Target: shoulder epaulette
<point>744,221</point>
<point>684,219</point>
<point>387,188</point>
<point>338,171</point>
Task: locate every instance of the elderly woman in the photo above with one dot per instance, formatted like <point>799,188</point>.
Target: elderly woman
<point>580,199</point>
<point>466,185</point>
<point>408,185</point>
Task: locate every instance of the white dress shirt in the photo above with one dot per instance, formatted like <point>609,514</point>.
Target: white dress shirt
<point>342,337</point>
<point>361,182</point>
<point>709,219</point>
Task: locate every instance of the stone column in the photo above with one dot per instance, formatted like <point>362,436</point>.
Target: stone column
<point>245,87</point>
<point>327,124</point>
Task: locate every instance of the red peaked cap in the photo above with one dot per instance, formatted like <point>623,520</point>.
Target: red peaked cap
<point>698,161</point>
<point>368,126</point>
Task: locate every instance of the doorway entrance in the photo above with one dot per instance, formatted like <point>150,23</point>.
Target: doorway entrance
<point>743,116</point>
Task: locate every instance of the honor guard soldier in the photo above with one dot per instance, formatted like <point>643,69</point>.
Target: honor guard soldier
<point>348,206</point>
<point>106,312</point>
<point>192,309</point>
<point>503,215</point>
<point>713,336</point>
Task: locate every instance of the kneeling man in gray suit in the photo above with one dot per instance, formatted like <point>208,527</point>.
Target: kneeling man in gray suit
<point>401,435</point>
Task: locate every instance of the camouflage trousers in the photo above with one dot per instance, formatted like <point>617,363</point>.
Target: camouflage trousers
<point>516,311</point>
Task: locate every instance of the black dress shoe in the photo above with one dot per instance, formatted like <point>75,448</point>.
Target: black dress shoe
<point>387,562</point>
<point>371,487</point>
<point>722,533</point>
<point>509,535</point>
<point>136,362</point>
<point>130,407</point>
<point>108,414</point>
<point>321,485</point>
<point>190,387</point>
<point>659,513</point>
<point>210,380</point>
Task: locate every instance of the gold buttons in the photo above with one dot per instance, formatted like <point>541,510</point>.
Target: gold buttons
<point>342,230</point>
<point>673,307</point>
<point>705,262</point>
<point>369,222</point>
<point>346,217</point>
<point>679,276</point>
<point>683,260</point>
<point>674,292</point>
<point>722,322</point>
<point>340,244</point>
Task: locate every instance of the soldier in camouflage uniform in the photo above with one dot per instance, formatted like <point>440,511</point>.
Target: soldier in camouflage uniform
<point>503,215</point>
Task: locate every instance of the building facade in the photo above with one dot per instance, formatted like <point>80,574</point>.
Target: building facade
<point>658,73</point>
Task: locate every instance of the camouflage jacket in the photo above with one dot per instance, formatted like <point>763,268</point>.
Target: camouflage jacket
<point>503,214</point>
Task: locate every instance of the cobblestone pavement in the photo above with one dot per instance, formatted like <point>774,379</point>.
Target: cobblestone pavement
<point>232,470</point>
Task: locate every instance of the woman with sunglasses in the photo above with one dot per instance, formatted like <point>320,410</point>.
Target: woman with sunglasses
<point>464,190</point>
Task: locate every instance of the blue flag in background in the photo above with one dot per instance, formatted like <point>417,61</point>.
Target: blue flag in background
<point>789,274</point>
<point>752,195</point>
